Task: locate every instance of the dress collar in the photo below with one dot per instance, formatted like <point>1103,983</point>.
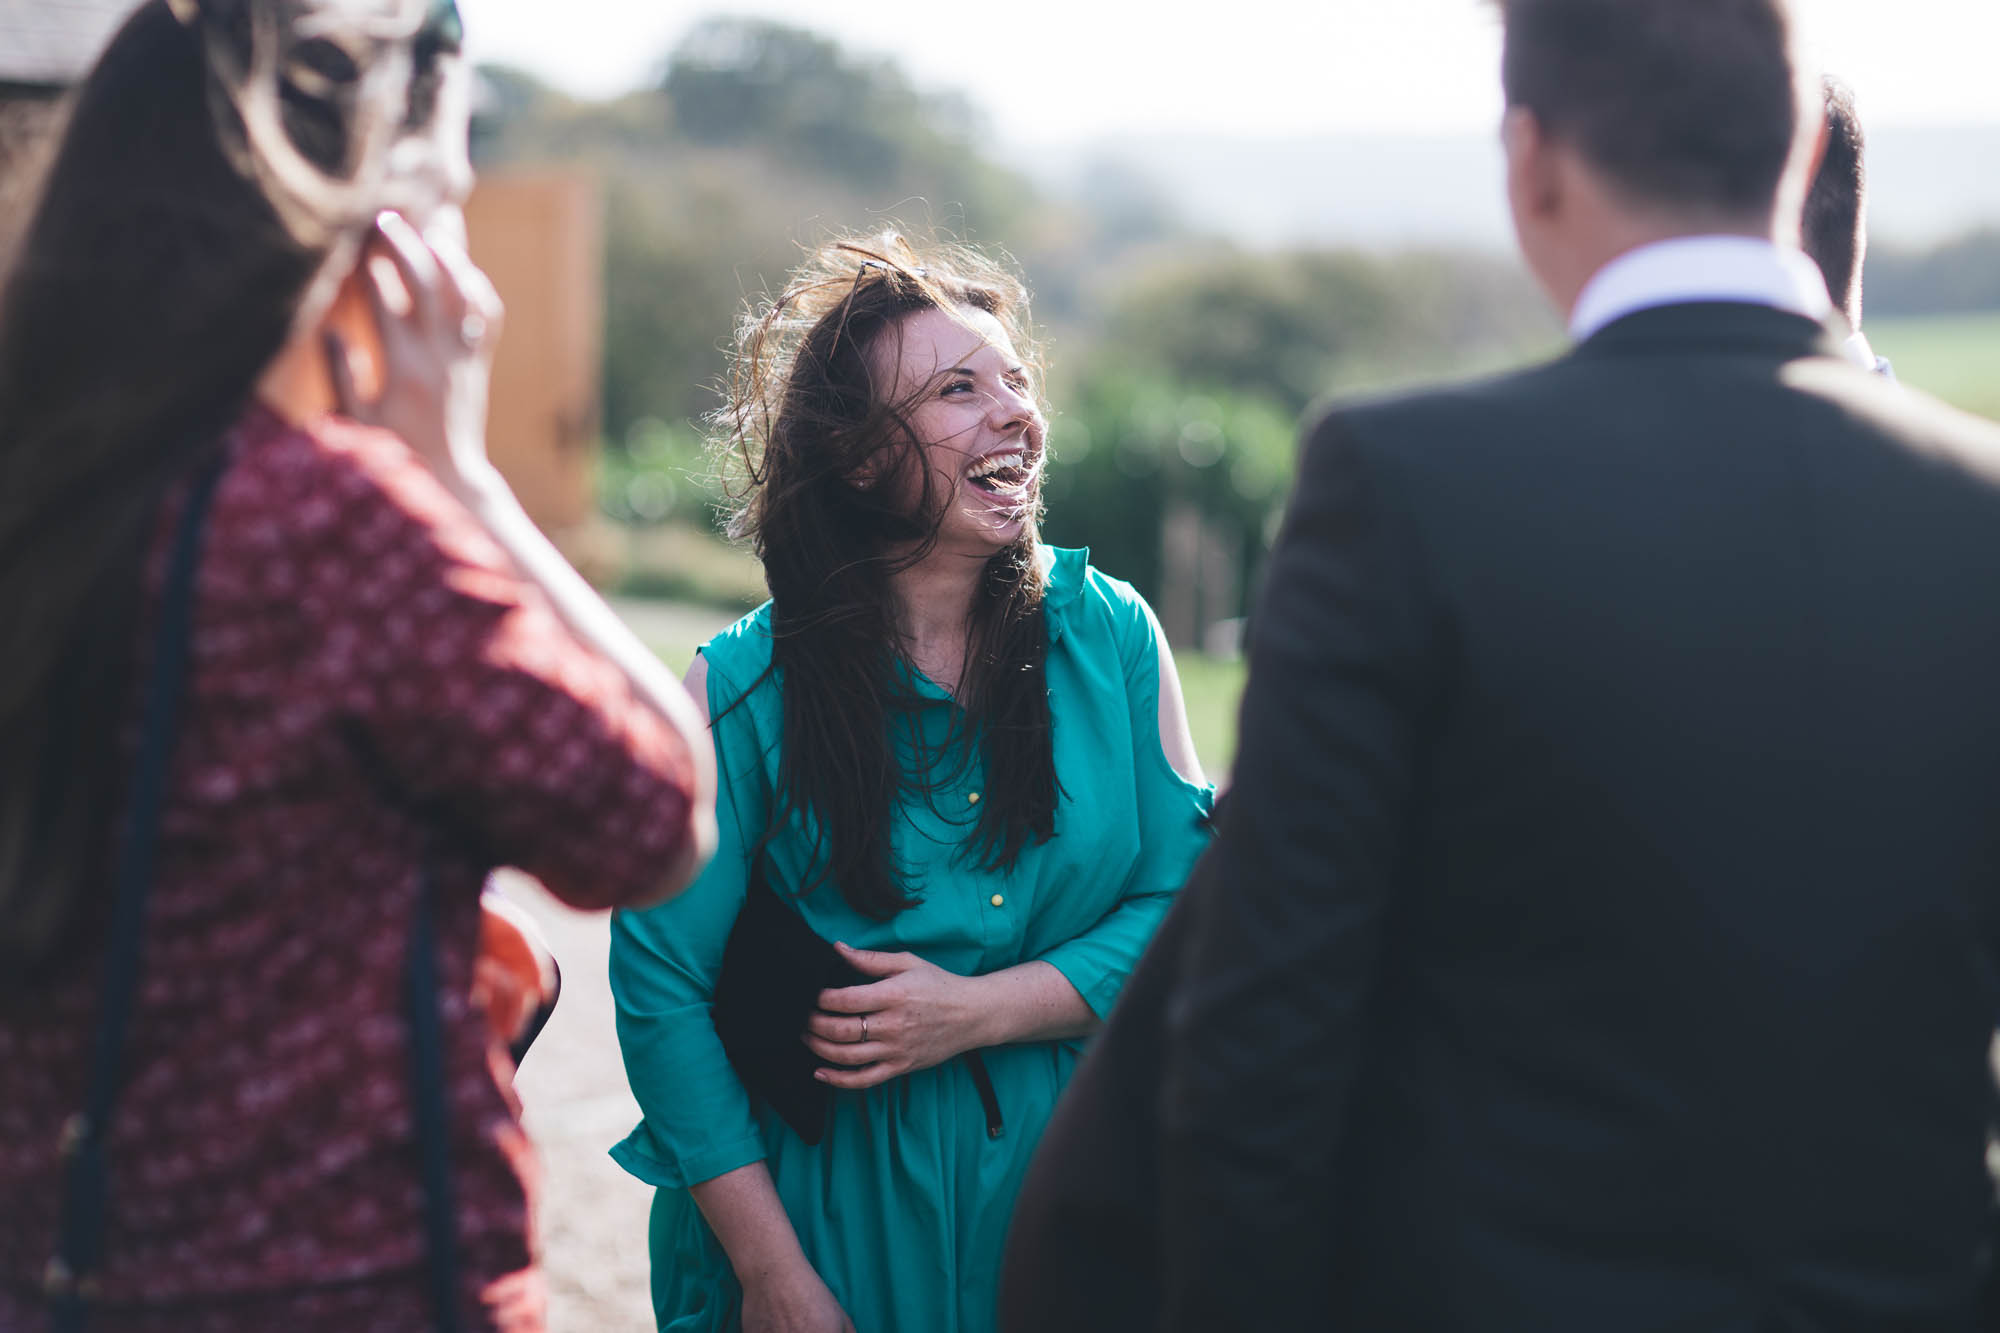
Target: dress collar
<point>1064,569</point>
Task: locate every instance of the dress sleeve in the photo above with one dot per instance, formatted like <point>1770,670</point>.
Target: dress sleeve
<point>464,684</point>
<point>1173,831</point>
<point>664,965</point>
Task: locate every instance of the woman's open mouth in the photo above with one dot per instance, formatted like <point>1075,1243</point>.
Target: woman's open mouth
<point>1005,473</point>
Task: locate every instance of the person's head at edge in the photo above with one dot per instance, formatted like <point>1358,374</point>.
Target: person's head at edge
<point>1633,121</point>
<point>1835,227</point>
<point>867,399</point>
<point>198,227</point>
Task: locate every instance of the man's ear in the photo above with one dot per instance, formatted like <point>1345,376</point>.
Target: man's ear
<point>1534,177</point>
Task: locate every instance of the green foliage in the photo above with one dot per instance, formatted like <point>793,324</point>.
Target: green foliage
<point>671,298</point>
<point>1959,276</point>
<point>738,81</point>
<point>662,472</point>
<point>1129,444</point>
<point>1291,325</point>
<point>1212,355</point>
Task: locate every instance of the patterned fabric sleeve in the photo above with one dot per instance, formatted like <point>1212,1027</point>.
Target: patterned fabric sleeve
<point>462,679</point>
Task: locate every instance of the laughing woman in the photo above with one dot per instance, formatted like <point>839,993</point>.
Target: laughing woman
<point>955,749</point>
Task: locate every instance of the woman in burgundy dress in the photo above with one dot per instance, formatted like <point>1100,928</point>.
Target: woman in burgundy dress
<point>394,684</point>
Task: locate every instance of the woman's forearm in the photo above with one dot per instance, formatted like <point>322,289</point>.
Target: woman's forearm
<point>742,1209</point>
<point>1031,1002</point>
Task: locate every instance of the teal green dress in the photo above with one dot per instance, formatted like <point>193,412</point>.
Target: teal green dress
<point>903,1206</point>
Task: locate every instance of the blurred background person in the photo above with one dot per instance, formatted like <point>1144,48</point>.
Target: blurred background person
<point>1835,228</point>
<point>941,741</point>
<point>392,684</point>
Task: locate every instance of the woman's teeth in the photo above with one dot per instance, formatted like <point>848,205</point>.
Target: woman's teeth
<point>998,473</point>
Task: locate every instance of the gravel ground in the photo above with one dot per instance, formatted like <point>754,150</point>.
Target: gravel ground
<point>591,1216</point>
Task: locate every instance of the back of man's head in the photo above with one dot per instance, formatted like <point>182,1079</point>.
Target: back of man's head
<point>1683,106</point>
<point>1831,232</point>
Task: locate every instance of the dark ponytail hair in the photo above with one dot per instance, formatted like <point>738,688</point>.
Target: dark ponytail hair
<point>826,463</point>
<point>165,263</point>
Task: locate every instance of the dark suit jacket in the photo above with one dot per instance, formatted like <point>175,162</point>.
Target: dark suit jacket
<point>1600,934</point>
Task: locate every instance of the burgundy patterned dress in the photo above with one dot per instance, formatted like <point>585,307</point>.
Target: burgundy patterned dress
<point>263,1168</point>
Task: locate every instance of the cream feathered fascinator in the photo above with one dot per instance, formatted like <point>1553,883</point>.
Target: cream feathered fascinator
<point>339,109</point>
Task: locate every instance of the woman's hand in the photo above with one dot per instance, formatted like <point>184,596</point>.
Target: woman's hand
<point>792,1300</point>
<point>438,318</point>
<point>917,1016</point>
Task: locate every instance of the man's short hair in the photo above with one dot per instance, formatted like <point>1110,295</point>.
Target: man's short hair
<point>1832,230</point>
<point>1688,104</point>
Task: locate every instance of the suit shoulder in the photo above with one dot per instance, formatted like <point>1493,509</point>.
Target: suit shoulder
<point>1915,420</point>
<point>1435,420</point>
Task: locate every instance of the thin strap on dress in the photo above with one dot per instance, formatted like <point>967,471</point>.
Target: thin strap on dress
<point>69,1280</point>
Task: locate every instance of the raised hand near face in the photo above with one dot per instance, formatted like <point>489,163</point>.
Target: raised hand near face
<point>438,319</point>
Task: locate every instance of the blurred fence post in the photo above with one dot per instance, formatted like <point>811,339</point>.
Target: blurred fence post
<point>1179,607</point>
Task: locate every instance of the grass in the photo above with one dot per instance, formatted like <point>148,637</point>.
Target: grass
<point>1211,686</point>
<point>1955,357</point>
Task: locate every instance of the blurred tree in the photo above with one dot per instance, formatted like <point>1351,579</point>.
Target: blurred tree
<point>1132,448</point>
<point>1291,326</point>
<point>742,81</point>
<point>1959,275</point>
<point>1179,435</point>
<point>1180,365</point>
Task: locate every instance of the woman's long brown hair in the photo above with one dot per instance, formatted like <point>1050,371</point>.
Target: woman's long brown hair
<point>155,280</point>
<point>826,463</point>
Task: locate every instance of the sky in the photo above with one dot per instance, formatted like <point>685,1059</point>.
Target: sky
<point>1072,71</point>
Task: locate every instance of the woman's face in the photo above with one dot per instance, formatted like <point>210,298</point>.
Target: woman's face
<point>972,409</point>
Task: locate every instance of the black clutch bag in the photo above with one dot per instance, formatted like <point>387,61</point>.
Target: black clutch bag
<point>773,969</point>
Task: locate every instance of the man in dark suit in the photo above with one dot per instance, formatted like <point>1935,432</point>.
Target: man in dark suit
<point>1600,934</point>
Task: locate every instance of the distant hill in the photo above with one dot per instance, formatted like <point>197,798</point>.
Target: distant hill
<point>1393,191</point>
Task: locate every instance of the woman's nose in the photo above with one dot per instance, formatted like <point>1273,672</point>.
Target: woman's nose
<point>1011,405</point>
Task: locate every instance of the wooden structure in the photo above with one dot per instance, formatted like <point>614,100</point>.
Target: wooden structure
<point>539,236</point>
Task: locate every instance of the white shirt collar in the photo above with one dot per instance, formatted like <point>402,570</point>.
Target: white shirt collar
<point>1701,268</point>
<point>1857,350</point>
